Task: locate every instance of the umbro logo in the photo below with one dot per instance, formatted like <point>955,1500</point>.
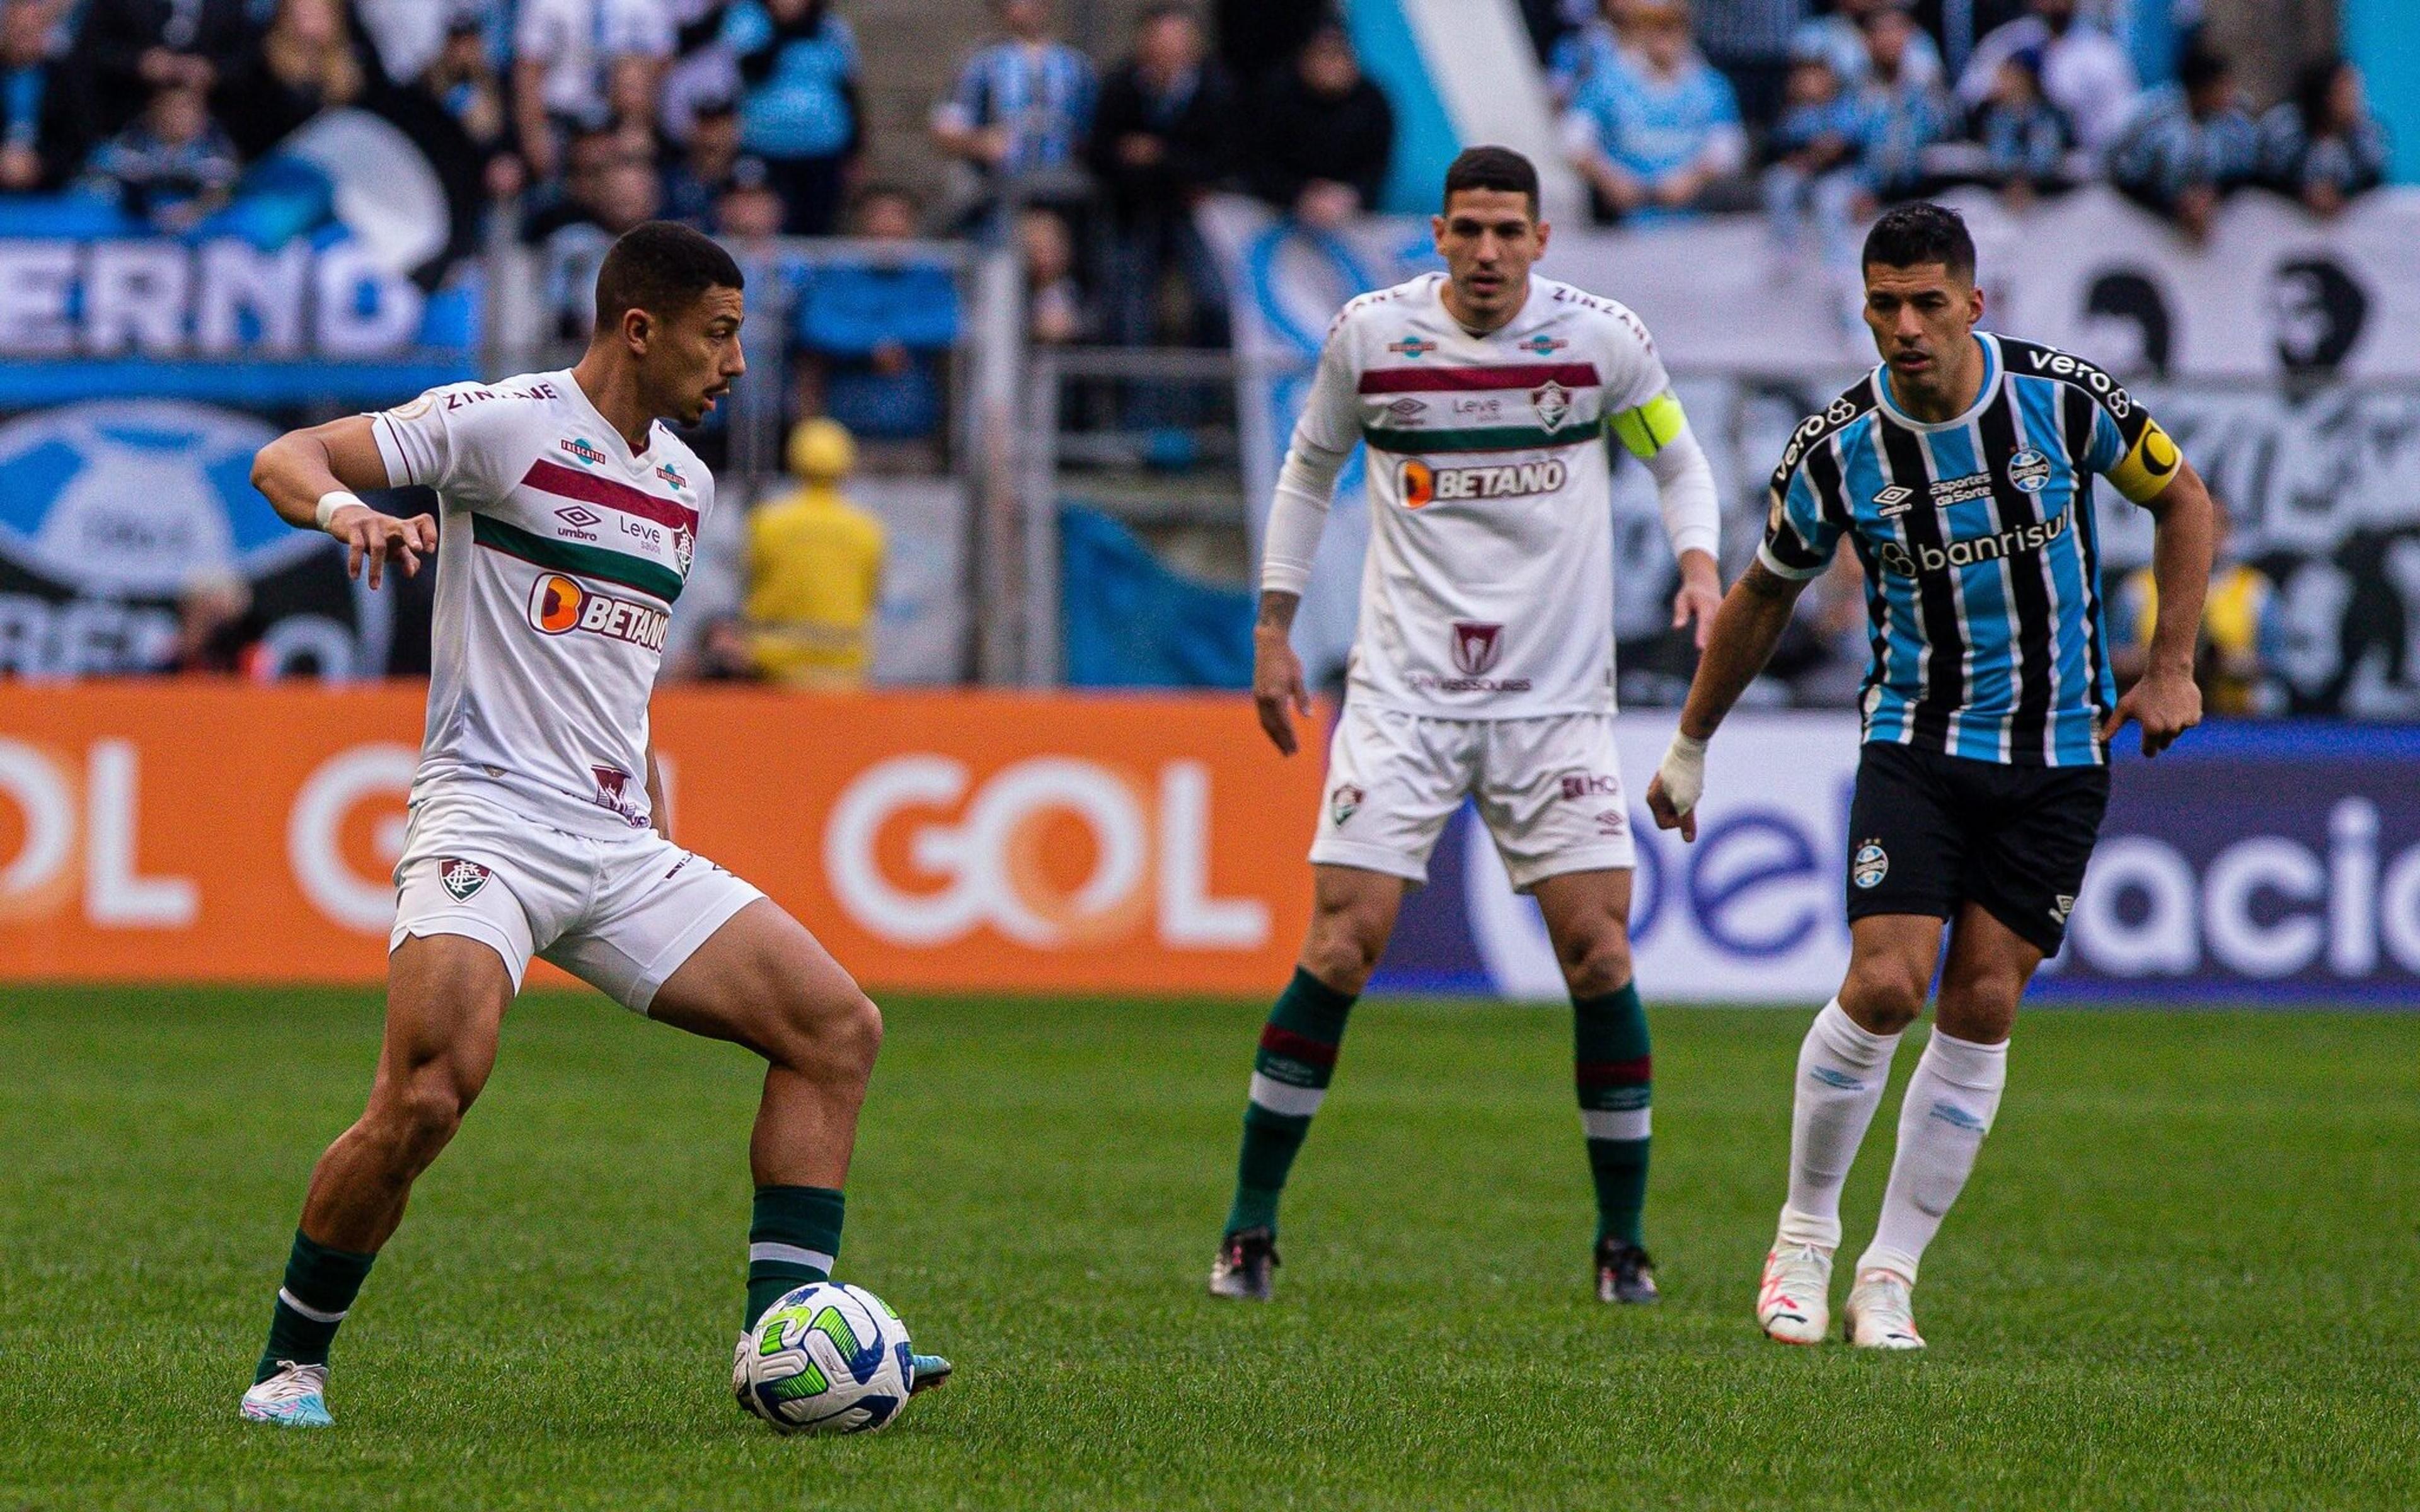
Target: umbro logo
<point>1894,501</point>
<point>1406,410</point>
<point>580,517</point>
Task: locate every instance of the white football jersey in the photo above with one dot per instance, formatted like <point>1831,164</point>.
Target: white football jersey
<point>1487,589</point>
<point>558,559</point>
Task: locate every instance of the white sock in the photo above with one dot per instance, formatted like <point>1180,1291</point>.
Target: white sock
<point>1842,1070</point>
<point>1951,1103</point>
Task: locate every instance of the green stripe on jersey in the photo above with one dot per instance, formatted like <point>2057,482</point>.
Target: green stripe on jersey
<point>1487,439</point>
<point>651,577</point>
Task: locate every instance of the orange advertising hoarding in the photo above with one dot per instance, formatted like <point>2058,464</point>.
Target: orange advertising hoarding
<point>949,840</point>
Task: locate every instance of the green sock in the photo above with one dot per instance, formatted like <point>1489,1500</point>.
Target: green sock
<point>791,1240</point>
<point>1290,1077</point>
<point>1612,1073</point>
<point>320,1284</point>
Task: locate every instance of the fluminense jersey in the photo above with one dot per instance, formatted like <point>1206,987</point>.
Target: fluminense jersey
<point>558,560</point>
<point>1979,546</point>
<point>1487,589</point>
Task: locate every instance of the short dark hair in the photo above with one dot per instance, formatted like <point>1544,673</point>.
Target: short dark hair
<point>661,268</point>
<point>1909,236</point>
<point>1491,169</point>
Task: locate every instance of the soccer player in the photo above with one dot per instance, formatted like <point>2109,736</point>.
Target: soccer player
<point>1961,472</point>
<point>1484,665</point>
<point>538,825</point>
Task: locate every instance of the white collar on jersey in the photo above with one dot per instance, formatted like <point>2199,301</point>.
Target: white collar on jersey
<point>622,453</point>
<point>1519,321</point>
<point>1992,371</point>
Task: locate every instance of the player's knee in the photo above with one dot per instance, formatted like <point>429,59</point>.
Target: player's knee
<point>1343,951</point>
<point>1598,963</point>
<point>414,1122</point>
<point>832,1039</point>
<point>1981,1006</point>
<point>1883,995</point>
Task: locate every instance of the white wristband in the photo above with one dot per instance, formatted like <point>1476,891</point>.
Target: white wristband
<point>1683,772</point>
<point>333,501</point>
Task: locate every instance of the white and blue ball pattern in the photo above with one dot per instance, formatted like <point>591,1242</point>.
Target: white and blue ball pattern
<point>827,1358</point>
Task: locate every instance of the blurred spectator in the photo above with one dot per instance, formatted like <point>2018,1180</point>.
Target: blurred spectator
<point>561,53</point>
<point>633,81</point>
<point>1749,42</point>
<point>1054,300</point>
<point>216,632</point>
<point>1903,115</point>
<point>1813,176</point>
<point>461,79</point>
<point>800,112</point>
<point>615,195</point>
<point>702,71</point>
<point>308,59</point>
<point>1839,36</point>
<point>2323,147</point>
<point>45,118</point>
<point>572,196</point>
<point>696,179</point>
<point>880,330</point>
<point>2189,145</point>
<point>1653,138</point>
<point>2085,71</point>
<point>2238,632</point>
<point>1162,138</point>
<point>172,167</point>
<point>1585,50</point>
<point>129,47</point>
<point>815,570</point>
<point>1256,38</point>
<point>748,208</point>
<point>1319,136</point>
<point>1021,106</point>
<point>2025,139</point>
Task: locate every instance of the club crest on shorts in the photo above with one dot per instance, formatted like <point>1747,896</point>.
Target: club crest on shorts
<point>1345,803</point>
<point>1476,647</point>
<point>1872,863</point>
<point>460,878</point>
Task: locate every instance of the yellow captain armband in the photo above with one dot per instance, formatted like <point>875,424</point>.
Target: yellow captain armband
<point>2148,466</point>
<point>1651,427</point>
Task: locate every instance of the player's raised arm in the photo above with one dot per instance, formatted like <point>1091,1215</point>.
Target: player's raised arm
<point>312,477</point>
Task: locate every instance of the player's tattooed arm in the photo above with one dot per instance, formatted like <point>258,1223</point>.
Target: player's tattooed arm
<point>310,477</point>
<point>1746,629</point>
<point>1278,689</point>
<point>2166,700</point>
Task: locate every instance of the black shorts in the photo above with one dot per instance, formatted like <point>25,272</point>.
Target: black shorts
<point>1928,832</point>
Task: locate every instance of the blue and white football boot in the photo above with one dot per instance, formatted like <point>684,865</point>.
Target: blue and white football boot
<point>295,1398</point>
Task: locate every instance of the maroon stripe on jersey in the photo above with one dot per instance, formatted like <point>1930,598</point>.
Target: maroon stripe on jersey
<point>1466,380</point>
<point>566,482</point>
<point>1614,1073</point>
<point>1298,1047</point>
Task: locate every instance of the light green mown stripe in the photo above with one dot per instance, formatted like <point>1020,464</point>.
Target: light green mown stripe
<point>570,556</point>
<point>1651,427</point>
<point>1492,438</point>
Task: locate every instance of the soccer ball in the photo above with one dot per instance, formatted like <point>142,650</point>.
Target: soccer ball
<point>826,1358</point>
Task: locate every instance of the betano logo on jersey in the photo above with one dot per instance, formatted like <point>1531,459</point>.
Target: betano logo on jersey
<point>559,605</point>
<point>1424,483</point>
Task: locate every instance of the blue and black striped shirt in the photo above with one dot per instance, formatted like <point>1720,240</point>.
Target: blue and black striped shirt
<point>1980,549</point>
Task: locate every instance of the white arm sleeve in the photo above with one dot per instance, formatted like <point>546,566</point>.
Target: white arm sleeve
<point>1684,487</point>
<point>1297,515</point>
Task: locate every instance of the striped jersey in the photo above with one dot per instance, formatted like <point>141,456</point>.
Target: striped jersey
<point>558,559</point>
<point>1487,589</point>
<point>1979,546</point>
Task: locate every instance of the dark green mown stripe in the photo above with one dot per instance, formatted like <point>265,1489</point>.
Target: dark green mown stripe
<point>1491,439</point>
<point>570,556</point>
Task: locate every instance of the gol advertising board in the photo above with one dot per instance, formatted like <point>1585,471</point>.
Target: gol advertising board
<point>172,831</point>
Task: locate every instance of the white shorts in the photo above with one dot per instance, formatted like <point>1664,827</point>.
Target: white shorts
<point>1549,791</point>
<point>619,914</point>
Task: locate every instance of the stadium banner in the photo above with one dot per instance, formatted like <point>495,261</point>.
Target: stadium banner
<point>964,841</point>
<point>2297,403</point>
<point>2252,863</point>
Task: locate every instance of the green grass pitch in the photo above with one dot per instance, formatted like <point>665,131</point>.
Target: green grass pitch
<point>2184,1276</point>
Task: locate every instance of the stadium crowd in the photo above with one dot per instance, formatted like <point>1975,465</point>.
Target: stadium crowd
<point>559,124</point>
